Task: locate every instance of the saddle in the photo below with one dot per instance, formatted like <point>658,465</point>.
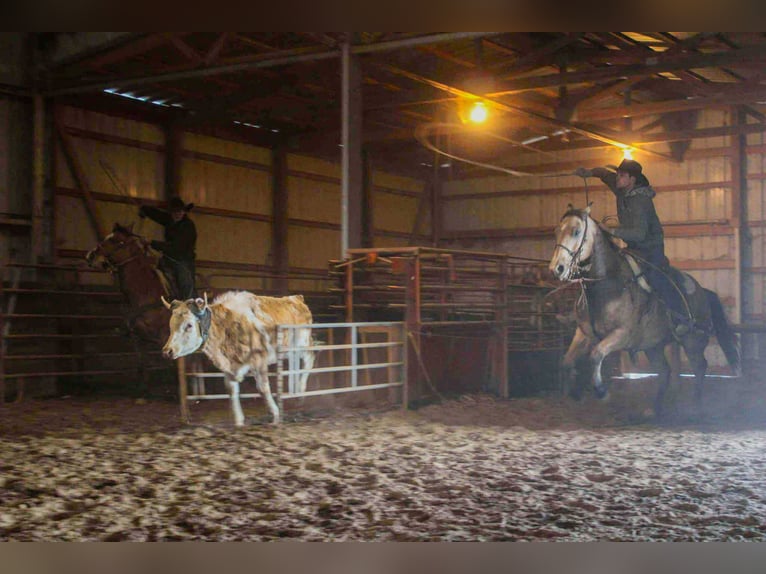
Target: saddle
<point>680,280</point>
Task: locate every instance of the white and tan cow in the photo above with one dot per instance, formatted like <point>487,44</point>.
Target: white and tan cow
<point>238,332</point>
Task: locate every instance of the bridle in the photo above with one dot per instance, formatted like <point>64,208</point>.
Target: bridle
<point>576,267</point>
<point>113,265</point>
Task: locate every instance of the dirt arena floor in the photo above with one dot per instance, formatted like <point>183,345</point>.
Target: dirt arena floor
<point>474,468</point>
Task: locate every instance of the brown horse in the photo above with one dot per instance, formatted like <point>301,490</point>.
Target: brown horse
<point>126,254</point>
<point>617,311</point>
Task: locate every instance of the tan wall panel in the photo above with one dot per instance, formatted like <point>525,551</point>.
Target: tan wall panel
<point>391,242</point>
<point>396,212</point>
<point>396,181</point>
<point>72,227</point>
<point>232,240</point>
<point>112,125</point>
<point>226,186</point>
<point>312,248</point>
<point>313,200</point>
<point>137,173</point>
<point>226,148</point>
<point>314,165</point>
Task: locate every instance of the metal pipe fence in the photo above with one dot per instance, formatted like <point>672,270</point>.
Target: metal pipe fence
<point>352,363</point>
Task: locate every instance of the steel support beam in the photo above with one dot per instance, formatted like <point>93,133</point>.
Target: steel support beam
<point>285,57</point>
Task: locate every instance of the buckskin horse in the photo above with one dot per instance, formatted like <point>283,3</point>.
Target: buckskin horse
<point>617,310</point>
<point>126,254</point>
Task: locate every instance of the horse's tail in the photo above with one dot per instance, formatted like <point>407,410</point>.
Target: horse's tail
<point>726,338</point>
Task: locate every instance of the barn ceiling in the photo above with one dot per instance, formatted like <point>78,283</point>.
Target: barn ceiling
<point>547,91</point>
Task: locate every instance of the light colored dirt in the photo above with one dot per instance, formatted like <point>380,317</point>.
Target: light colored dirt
<point>474,468</point>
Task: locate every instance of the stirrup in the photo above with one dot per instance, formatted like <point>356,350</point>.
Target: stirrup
<point>681,329</point>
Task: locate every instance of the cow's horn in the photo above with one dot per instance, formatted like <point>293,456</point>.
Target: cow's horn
<point>204,293</point>
<point>165,302</point>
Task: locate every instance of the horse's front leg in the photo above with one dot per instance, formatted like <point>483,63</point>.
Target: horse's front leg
<point>614,341</point>
<point>577,348</point>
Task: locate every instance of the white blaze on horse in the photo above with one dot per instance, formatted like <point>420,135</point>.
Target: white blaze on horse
<point>238,333</point>
<point>617,311</point>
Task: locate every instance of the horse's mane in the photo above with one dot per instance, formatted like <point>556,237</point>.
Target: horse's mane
<point>582,214</point>
<point>124,229</point>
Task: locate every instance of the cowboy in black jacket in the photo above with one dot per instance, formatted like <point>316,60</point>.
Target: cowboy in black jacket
<point>177,250</point>
<point>641,230</point>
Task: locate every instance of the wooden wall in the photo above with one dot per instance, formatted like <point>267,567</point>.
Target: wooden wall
<point>122,163</point>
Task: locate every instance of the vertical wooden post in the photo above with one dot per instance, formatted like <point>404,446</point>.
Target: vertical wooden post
<point>412,327</point>
<point>436,205</point>
<point>739,209</point>
<point>501,329</point>
<point>3,335</point>
<point>39,243</point>
<point>182,389</point>
<point>368,224</point>
<point>279,227</point>
<point>173,159</point>
<point>351,181</point>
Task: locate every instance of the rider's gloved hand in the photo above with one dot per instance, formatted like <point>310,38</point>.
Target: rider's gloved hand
<point>583,172</point>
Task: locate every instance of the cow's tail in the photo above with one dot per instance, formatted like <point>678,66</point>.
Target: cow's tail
<point>723,332</point>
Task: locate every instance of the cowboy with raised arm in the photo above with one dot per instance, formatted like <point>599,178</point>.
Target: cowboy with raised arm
<point>178,249</point>
<point>640,228</point>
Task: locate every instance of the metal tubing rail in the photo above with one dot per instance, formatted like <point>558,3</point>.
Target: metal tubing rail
<point>73,289</point>
<point>352,332</point>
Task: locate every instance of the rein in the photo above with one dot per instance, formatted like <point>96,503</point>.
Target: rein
<point>576,266</point>
<point>115,265</point>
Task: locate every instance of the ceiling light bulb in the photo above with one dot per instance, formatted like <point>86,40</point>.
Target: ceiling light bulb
<point>479,113</point>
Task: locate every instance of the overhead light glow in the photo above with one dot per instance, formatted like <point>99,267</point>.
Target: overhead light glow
<point>479,113</point>
<point>627,153</point>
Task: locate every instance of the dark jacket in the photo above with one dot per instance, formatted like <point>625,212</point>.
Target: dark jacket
<point>180,237</point>
<point>639,227</point>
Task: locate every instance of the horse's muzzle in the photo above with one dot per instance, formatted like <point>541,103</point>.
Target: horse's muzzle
<point>558,270</point>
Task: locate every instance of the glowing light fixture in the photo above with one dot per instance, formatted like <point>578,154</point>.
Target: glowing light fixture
<point>627,153</point>
<point>478,113</point>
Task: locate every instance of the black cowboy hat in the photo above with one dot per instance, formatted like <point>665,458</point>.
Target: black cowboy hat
<point>629,166</point>
<point>177,204</point>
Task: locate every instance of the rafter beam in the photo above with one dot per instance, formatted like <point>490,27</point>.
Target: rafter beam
<point>215,50</point>
<point>539,57</point>
<point>727,98</point>
<point>650,66</point>
<point>519,110</point>
<point>646,139</point>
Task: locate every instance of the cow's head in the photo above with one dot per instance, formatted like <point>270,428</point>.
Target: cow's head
<point>189,326</point>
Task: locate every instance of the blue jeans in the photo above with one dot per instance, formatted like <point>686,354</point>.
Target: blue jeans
<point>657,276</point>
<point>183,273</point>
